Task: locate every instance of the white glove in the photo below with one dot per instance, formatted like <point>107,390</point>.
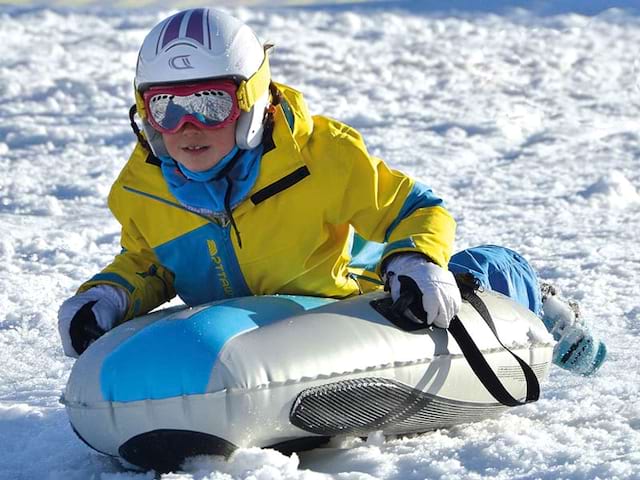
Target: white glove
<point>434,287</point>
<point>85,317</point>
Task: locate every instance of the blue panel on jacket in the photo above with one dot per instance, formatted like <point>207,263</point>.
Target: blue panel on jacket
<point>175,356</point>
<point>365,254</point>
<point>198,282</point>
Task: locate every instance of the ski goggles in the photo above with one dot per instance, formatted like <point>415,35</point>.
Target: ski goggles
<point>210,105</point>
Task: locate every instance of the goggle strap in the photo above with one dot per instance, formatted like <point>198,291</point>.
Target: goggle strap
<point>141,138</point>
<point>142,111</point>
<point>253,88</point>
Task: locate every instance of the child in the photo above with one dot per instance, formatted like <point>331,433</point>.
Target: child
<point>234,189</point>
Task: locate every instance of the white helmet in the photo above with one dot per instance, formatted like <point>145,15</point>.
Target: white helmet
<point>199,44</point>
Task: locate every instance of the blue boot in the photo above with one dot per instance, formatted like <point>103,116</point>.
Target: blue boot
<point>577,350</point>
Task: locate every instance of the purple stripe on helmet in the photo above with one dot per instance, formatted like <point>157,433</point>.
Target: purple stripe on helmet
<point>173,29</point>
<point>164,27</point>
<point>208,29</point>
<point>194,27</point>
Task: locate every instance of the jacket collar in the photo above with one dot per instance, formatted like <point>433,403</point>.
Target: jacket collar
<point>283,164</point>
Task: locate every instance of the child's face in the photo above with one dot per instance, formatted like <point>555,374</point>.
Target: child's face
<point>199,149</point>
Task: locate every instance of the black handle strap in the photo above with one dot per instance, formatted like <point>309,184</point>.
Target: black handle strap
<point>396,312</point>
<point>479,364</point>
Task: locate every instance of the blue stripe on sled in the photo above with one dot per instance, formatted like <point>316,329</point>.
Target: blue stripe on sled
<point>174,357</point>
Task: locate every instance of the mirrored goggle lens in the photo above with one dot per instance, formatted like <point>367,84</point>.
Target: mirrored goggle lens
<point>210,107</point>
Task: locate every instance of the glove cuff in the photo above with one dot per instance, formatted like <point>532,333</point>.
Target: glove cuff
<point>402,262</point>
<point>118,301</point>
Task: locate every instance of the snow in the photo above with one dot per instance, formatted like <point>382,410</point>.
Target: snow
<point>614,189</point>
<point>523,115</point>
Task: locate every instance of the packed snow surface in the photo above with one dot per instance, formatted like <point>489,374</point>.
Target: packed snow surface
<point>526,121</point>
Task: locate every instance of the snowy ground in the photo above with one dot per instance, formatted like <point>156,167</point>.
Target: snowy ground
<point>528,123</point>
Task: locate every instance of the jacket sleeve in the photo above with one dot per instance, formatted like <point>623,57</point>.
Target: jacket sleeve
<point>137,270</point>
<point>387,206</point>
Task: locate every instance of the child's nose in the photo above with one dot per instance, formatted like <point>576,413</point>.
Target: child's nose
<point>190,128</point>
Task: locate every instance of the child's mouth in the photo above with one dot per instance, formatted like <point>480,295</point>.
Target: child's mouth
<point>196,148</point>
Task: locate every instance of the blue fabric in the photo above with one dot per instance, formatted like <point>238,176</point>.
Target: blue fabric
<point>201,282</point>
<point>502,270</point>
<point>174,357</point>
<point>207,175</point>
<point>207,196</point>
<point>286,108</point>
<point>420,196</point>
<point>402,245</point>
<point>365,254</point>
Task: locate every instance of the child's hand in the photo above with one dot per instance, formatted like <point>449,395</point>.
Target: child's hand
<point>436,296</point>
<point>85,317</point>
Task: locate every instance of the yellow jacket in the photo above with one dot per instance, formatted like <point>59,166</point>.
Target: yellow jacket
<point>317,185</point>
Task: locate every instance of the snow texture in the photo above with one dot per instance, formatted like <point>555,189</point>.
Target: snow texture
<point>523,115</point>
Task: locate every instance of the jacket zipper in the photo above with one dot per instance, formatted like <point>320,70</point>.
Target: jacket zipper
<point>222,221</point>
<point>219,219</point>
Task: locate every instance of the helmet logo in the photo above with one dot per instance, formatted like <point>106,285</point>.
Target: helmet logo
<point>180,62</point>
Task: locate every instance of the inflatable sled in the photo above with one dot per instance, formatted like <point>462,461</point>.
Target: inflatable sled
<point>290,372</point>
